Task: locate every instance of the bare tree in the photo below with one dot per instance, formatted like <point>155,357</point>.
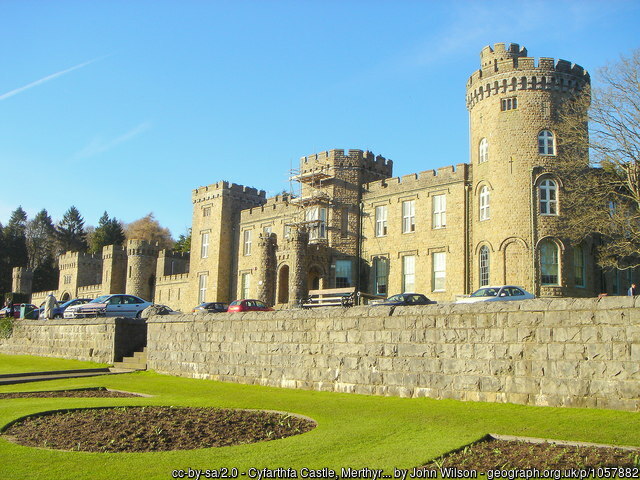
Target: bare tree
<point>601,164</point>
<point>148,228</point>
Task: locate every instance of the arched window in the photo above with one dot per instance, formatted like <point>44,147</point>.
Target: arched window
<point>546,143</point>
<point>578,265</point>
<point>548,263</point>
<point>483,151</point>
<point>484,203</point>
<point>548,195</point>
<point>484,266</point>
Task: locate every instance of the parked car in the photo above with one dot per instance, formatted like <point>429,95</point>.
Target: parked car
<point>211,307</point>
<point>58,312</point>
<point>248,306</point>
<point>497,294</point>
<point>16,310</point>
<point>117,305</point>
<point>407,299</point>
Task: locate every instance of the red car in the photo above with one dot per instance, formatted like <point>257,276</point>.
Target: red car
<point>248,306</point>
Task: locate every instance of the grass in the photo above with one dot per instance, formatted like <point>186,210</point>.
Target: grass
<point>353,430</point>
<point>26,363</point>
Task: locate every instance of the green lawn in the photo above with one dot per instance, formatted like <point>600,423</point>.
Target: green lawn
<point>26,363</point>
<point>353,430</point>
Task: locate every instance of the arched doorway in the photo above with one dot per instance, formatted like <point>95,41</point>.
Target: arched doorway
<point>65,297</point>
<point>313,278</point>
<point>283,284</point>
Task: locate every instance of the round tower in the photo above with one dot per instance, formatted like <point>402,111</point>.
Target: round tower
<point>142,258</point>
<point>267,268</point>
<point>22,280</point>
<point>515,205</point>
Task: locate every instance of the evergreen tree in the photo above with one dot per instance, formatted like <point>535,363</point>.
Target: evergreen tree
<point>70,232</point>
<point>5,280</point>
<point>40,239</point>
<point>184,243</point>
<point>15,240</point>
<point>108,232</point>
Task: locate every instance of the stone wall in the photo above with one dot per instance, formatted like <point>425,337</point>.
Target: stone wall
<point>102,340</point>
<point>561,352</point>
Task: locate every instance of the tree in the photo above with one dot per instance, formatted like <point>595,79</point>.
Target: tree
<point>604,195</point>
<point>40,240</point>
<point>108,232</point>
<point>184,242</point>
<point>70,232</point>
<point>147,228</point>
<point>15,239</point>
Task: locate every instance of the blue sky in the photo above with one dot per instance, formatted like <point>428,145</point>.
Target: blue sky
<point>127,106</point>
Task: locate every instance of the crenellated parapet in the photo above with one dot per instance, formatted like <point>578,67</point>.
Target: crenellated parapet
<point>70,260</point>
<point>142,248</point>
<point>423,180</point>
<point>233,190</point>
<point>329,161</point>
<point>509,70</point>
<point>171,262</point>
<point>113,251</point>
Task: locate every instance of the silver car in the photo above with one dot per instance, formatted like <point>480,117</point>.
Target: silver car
<point>497,294</point>
<point>110,306</point>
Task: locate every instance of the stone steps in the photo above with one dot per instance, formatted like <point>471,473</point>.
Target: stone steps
<point>137,361</point>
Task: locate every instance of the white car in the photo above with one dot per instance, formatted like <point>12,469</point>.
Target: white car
<point>497,294</point>
<point>109,306</point>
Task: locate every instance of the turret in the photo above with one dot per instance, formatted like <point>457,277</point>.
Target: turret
<point>141,268</point>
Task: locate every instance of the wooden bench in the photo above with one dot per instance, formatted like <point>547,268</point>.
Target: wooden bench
<point>332,297</point>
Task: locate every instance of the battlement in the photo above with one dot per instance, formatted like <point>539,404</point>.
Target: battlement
<point>142,248</point>
<point>69,260</point>
<point>220,188</point>
<point>170,279</point>
<point>172,254</point>
<point>109,251</point>
<point>331,160</point>
<point>425,179</point>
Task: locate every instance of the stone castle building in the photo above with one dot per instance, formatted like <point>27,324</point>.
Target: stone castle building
<point>494,220</point>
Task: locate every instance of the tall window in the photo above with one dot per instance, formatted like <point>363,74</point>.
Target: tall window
<point>546,143</point>
<point>548,193</point>
<point>317,218</point>
<point>578,265</point>
<point>484,266</point>
<point>381,270</point>
<point>408,273</point>
<point>247,243</point>
<point>206,212</point>
<point>483,153</point>
<point>245,285</point>
<point>549,262</point>
<point>484,203</point>
<point>343,273</point>
<point>202,288</point>
<point>409,216</point>
<point>439,211</point>
<point>381,221</point>
<point>439,274</point>
<point>204,247</point>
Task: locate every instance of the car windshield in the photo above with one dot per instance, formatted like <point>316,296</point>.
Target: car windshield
<point>485,292</point>
<point>236,302</point>
<point>100,299</point>
<point>395,298</point>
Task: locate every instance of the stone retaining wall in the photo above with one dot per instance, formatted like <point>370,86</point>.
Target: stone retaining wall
<point>102,340</point>
<point>561,352</point>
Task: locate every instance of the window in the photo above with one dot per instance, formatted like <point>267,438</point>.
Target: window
<point>484,203</point>
<point>578,265</point>
<point>67,279</point>
<point>509,104</point>
<point>439,211</point>
<point>484,266</point>
<point>409,216</point>
<point>247,243</point>
<point>206,212</point>
<point>381,221</point>
<point>204,248</point>
<point>267,230</point>
<point>343,273</point>
<point>245,285</point>
<point>546,144</point>
<point>287,231</point>
<point>548,197</point>
<point>202,288</point>
<point>381,272</point>
<point>408,273</point>
<point>317,220</point>
<point>549,262</point>
<point>483,151</point>
<point>344,222</point>
<point>439,271</point>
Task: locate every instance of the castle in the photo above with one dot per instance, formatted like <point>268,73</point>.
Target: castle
<point>494,220</point>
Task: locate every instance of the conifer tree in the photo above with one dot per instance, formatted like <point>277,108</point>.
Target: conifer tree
<point>108,232</point>
<point>70,232</point>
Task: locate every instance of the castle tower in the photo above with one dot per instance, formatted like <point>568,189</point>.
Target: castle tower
<point>22,280</point>
<point>265,290</point>
<point>298,274</point>
<point>516,206</point>
<point>215,237</point>
<point>141,268</point>
<point>78,270</point>
<point>114,269</point>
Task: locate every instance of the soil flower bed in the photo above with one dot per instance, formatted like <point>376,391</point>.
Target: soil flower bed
<point>99,392</point>
<point>151,428</point>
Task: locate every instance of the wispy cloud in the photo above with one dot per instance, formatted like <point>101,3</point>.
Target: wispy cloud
<point>18,90</point>
<point>98,145</point>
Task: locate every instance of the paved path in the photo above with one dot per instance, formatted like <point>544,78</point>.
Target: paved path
<point>13,378</point>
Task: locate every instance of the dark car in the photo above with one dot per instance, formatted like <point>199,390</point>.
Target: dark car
<point>248,306</point>
<point>58,312</point>
<point>211,307</point>
<point>407,299</point>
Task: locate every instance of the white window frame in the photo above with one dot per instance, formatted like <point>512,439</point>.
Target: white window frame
<point>549,263</point>
<point>548,193</point>
<point>202,287</point>
<point>439,211</point>
<point>204,246</point>
<point>408,273</point>
<point>267,230</point>
<point>318,226</point>
<point>484,266</point>
<point>439,271</point>
<point>245,285</point>
<point>408,216</point>
<point>381,221</point>
<point>485,200</point>
<point>483,150</point>
<point>246,249</point>
<point>546,143</point>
